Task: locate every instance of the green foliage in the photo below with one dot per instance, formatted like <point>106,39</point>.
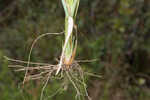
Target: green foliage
<point>115,32</point>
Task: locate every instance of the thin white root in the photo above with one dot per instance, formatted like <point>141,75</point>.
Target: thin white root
<point>74,85</point>
<point>45,85</point>
<point>24,62</point>
<point>33,44</point>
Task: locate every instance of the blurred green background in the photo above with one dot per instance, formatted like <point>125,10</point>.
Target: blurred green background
<point>116,32</point>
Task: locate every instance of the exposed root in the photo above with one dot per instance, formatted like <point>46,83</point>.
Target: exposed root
<point>32,46</point>
<point>45,71</point>
<point>57,91</point>
<point>24,62</point>
<point>49,74</point>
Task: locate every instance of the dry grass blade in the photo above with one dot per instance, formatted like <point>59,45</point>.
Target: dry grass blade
<point>92,60</point>
<point>94,75</point>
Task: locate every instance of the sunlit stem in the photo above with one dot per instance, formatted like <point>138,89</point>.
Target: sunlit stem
<point>67,52</point>
<point>69,47</point>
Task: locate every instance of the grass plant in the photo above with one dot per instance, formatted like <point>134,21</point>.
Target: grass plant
<point>67,68</point>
